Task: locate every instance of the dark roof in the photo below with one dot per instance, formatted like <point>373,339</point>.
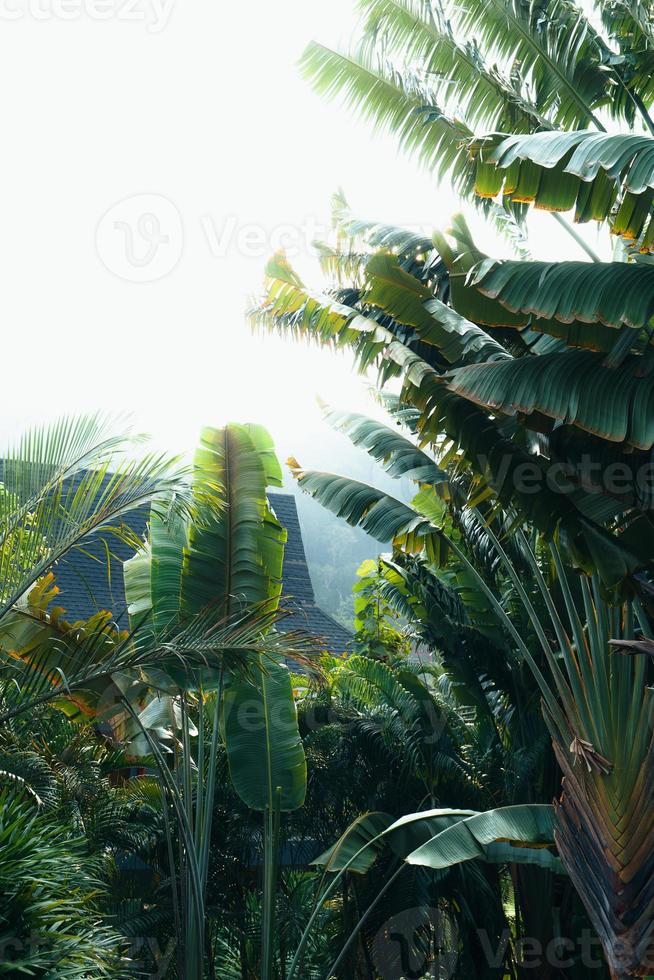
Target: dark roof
<point>298,588</point>
<point>85,587</point>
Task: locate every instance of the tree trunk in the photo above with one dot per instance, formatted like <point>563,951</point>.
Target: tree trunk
<point>606,841</point>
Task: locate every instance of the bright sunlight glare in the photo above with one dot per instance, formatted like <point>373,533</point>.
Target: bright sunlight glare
<point>189,132</point>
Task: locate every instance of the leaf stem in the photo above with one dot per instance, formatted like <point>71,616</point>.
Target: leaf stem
<point>577,237</point>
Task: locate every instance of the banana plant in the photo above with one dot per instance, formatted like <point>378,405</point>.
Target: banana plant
<point>438,838</point>
<point>501,405</point>
<point>227,564</point>
<point>515,107</point>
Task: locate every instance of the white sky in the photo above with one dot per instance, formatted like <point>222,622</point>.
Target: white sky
<point>201,104</point>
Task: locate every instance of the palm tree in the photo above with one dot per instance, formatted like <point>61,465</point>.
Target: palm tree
<point>52,896</point>
<point>381,737</point>
<point>560,477</point>
<point>61,486</point>
<point>484,678</point>
<point>202,595</point>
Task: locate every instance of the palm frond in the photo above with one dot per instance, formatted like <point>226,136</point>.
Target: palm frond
<point>382,516</point>
<point>411,303</point>
<point>393,104</point>
<point>556,51</point>
<point>575,387</point>
<point>418,33</point>
<point>66,483</point>
<point>399,456</point>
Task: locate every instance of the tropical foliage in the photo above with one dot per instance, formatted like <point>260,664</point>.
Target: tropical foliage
<point>187,788</point>
<point>528,382</point>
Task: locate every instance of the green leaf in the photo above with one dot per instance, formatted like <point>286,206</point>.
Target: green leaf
<point>417,33</point>
<point>410,302</point>
<point>612,293</point>
<point>415,829</point>
<point>263,741</point>
<point>465,297</point>
<point>582,169</point>
<point>360,836</point>
<point>234,557</point>
<point>382,516</point>
<point>491,453</point>
<point>391,103</point>
<point>398,455</point>
<point>66,483</point>
<point>372,832</point>
<point>558,50</point>
<point>574,387</point>
<point>514,834</point>
<point>230,555</point>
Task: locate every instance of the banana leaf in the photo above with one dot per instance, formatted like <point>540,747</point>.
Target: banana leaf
<point>515,834</point>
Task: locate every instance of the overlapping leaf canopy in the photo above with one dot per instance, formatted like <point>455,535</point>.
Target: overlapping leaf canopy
<point>463,380</point>
<point>599,175</point>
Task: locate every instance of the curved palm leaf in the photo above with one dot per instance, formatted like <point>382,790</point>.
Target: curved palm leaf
<point>395,104</point>
<point>476,666</point>
<point>419,33</point>
<point>357,848</point>
<point>399,456</point>
<point>410,302</point>
<point>264,748</point>
<point>444,837</point>
<point>612,293</point>
<point>415,252</point>
<point>584,170</point>
<point>371,682</point>
<point>230,557</point>
<point>87,668</point>
<point>513,834</point>
<point>465,297</point>
<point>382,516</point>
<point>629,28</point>
<point>66,483</point>
<point>288,306</point>
<point>505,464</point>
<point>575,387</point>
<point>563,54</point>
<point>235,557</point>
<point>364,840</point>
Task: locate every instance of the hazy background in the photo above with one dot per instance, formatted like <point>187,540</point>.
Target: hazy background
<point>175,142</point>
